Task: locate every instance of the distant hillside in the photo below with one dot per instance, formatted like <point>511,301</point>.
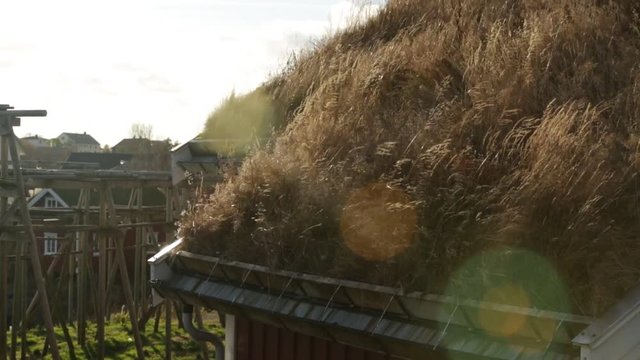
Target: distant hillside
<point>448,146</point>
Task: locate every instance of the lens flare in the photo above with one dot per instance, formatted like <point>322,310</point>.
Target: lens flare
<point>378,222</point>
<point>515,277</point>
<point>501,324</point>
<point>241,122</point>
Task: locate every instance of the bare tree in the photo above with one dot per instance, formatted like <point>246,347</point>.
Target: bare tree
<point>142,131</point>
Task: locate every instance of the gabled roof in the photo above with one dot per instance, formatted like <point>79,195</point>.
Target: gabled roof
<point>85,138</point>
<point>33,137</point>
<point>37,197</point>
<point>101,161</point>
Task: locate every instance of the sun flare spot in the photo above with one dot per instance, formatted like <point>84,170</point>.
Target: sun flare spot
<point>378,222</point>
<point>504,324</point>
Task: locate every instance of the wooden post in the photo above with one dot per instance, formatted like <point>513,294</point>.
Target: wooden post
<point>60,257</point>
<point>126,285</point>
<point>110,272</point>
<point>35,253</point>
<point>156,323</point>
<point>168,211</point>
<point>136,267</point>
<point>4,258</point>
<point>102,273</point>
<point>83,262</point>
<point>113,268</point>
<point>55,293</point>
<point>4,269</point>
<point>18,296</point>
<point>70,272</point>
<point>70,283</point>
<point>167,329</point>
<point>143,268</point>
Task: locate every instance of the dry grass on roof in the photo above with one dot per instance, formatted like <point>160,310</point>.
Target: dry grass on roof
<point>441,133</point>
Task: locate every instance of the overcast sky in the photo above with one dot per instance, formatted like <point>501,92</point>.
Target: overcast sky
<point>99,66</point>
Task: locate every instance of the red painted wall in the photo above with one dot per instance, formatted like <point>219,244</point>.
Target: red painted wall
<point>129,248</point>
<point>257,341</point>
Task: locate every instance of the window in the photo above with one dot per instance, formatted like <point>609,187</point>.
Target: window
<point>152,238</point>
<point>50,243</point>
<point>50,202</point>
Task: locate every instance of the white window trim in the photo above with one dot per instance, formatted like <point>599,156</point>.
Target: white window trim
<point>50,200</point>
<point>50,243</point>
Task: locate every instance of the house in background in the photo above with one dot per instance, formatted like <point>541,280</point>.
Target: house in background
<point>79,142</point>
<point>151,155</point>
<point>210,159</point>
<point>35,141</point>
<point>137,145</point>
<point>49,243</point>
<point>96,161</point>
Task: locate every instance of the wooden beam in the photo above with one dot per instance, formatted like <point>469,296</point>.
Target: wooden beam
<point>80,228</point>
<point>81,313</point>
<point>167,329</point>
<point>4,271</point>
<point>137,255</point>
<point>35,256</point>
<point>4,259</point>
<point>126,285</point>
<point>57,260</point>
<point>18,296</point>
<point>102,274</point>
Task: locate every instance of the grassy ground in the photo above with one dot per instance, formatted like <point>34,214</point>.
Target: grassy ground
<point>119,343</point>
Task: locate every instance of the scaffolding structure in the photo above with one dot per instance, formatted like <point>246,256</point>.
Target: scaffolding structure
<point>88,285</point>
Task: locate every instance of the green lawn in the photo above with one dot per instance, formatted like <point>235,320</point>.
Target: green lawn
<point>119,343</point>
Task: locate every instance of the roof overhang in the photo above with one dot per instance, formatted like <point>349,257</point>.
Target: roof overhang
<point>369,316</point>
<point>616,334</point>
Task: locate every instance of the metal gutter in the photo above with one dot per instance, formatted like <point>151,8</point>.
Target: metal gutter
<point>375,317</point>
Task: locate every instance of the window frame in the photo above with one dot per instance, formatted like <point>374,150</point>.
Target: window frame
<point>50,243</point>
<point>50,200</point>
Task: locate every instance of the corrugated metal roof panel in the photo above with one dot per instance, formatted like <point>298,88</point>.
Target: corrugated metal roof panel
<point>372,316</point>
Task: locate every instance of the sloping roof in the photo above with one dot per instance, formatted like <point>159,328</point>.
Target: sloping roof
<point>33,137</point>
<point>46,157</point>
<point>102,161</point>
<point>34,200</point>
<point>81,138</point>
<point>132,145</point>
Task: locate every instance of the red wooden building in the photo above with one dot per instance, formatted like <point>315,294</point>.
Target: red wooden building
<point>57,205</point>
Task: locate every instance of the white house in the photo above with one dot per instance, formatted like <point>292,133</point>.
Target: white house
<point>79,142</point>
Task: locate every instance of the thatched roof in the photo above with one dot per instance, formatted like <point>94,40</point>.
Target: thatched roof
<point>484,149</point>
